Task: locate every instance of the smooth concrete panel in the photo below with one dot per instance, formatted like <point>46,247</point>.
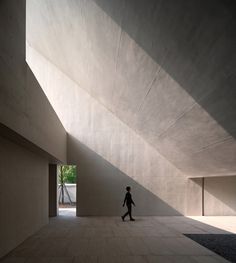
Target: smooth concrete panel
<point>101,187</point>
<point>114,151</point>
<point>46,130</point>
<point>23,194</point>
<point>12,17</point>
<point>220,156</point>
<point>215,152</point>
<point>220,196</point>
<point>24,107</point>
<point>194,197</point>
<point>165,68</point>
<point>170,79</point>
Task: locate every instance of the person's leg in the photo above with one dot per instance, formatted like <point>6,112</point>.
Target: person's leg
<point>125,214</point>
<point>123,217</point>
<point>130,212</point>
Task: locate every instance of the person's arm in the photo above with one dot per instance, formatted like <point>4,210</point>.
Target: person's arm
<point>125,200</point>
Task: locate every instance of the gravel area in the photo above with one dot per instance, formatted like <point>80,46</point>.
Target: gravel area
<point>222,244</point>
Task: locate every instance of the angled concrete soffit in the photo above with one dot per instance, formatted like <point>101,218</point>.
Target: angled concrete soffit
<point>122,85</point>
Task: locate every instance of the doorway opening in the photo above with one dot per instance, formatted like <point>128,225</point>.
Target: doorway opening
<point>67,183</point>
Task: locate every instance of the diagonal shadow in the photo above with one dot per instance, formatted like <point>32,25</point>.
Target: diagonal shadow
<point>222,189</point>
<point>101,186</point>
<point>200,36</point>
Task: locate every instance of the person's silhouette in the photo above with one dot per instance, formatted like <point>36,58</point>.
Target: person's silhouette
<point>128,201</point>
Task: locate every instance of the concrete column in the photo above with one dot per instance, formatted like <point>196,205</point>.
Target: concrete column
<point>53,206</point>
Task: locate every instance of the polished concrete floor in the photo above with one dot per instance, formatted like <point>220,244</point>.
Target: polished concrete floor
<point>68,239</point>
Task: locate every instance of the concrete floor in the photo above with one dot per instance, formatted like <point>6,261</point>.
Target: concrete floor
<point>107,239</point>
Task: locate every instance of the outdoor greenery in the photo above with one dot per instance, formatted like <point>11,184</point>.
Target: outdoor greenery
<point>67,174</point>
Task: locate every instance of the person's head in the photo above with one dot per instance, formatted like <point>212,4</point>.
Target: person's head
<point>128,188</point>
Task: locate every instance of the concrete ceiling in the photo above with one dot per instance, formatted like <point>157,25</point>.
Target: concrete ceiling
<point>165,68</point>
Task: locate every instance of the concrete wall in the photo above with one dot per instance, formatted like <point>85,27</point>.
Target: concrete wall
<point>194,197</point>
<point>152,96</point>
<point>217,198</point>
<point>27,119</point>
<point>24,107</point>
<point>108,154</point>
<point>165,68</point>
<point>220,196</point>
<point>23,194</point>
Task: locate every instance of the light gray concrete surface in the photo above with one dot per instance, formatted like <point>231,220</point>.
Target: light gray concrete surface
<point>146,92</point>
<point>165,68</point>
<point>108,154</point>
<point>220,196</point>
<point>23,194</point>
<point>24,107</point>
<point>194,197</point>
<point>217,198</point>
<point>28,117</point>
<point>108,239</point>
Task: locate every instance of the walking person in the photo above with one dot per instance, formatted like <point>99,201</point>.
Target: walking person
<point>128,201</point>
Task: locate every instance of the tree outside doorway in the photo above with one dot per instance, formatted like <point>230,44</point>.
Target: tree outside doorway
<point>67,186</point>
